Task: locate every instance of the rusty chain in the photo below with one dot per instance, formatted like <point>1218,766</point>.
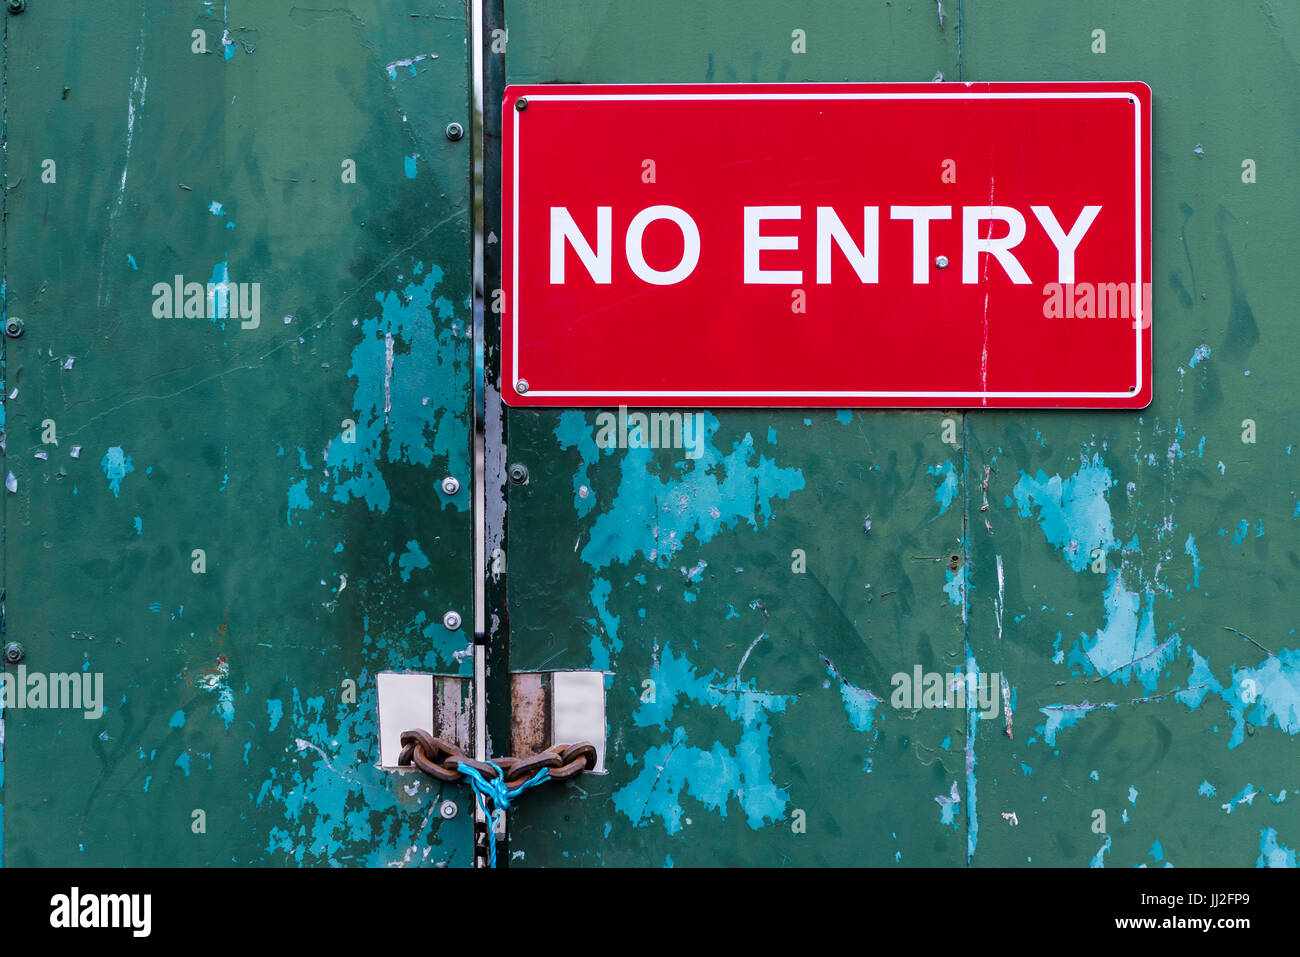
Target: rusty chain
<point>498,782</point>
<point>441,759</point>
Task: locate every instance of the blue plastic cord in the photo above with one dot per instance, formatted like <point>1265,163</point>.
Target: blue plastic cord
<point>500,795</point>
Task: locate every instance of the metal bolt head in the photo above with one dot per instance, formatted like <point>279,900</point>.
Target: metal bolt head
<point>518,473</point>
<point>17,6</point>
<point>521,104</point>
<point>521,386</point>
<point>454,131</point>
<point>448,810</point>
<point>451,621</point>
<point>451,485</point>
<point>13,327</point>
<point>14,653</point>
<point>941,262</point>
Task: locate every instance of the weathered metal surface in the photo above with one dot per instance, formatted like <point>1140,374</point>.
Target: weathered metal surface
<point>245,692</point>
<point>1132,695</point>
<point>750,712</point>
<point>751,666</point>
<point>530,712</point>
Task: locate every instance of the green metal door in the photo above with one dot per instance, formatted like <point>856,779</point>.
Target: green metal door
<point>234,519</point>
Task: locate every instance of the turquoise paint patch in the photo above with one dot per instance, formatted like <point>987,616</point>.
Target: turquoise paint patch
<point>972,782</point>
<point>138,522</point>
<point>574,432</point>
<point>298,500</point>
<point>652,516</point>
<point>948,804</point>
<point>1189,548</point>
<point>1126,647</point>
<point>1059,717</point>
<point>1099,859</point>
<point>1074,513</point>
<point>712,776</point>
<point>947,489</point>
<point>1273,854</point>
<point>411,559</point>
<point>116,465</point>
<point>274,712</point>
<point>1206,789</point>
<point>859,703</point>
<point>219,293</point>
<point>408,163</point>
<point>955,588</point>
<point>1246,796</point>
<point>1267,695</point>
<point>331,795</point>
<point>409,401</point>
<point>603,649</point>
<point>177,720</point>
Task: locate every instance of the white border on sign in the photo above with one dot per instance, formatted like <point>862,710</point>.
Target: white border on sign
<point>776,393</point>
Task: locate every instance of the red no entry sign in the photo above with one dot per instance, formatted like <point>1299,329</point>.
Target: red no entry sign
<point>941,245</point>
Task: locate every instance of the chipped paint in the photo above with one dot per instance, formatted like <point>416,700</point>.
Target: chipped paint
<point>714,774</point>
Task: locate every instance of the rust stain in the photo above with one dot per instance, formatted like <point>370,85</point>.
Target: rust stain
<point>530,730</point>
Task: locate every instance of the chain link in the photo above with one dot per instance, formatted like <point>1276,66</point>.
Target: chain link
<point>441,759</point>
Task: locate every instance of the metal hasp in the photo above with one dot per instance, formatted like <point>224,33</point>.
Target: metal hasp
<point>413,700</point>
<point>496,782</point>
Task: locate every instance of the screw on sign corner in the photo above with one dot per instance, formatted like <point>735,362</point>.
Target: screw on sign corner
<point>454,131</point>
<point>521,104</point>
<point>16,6</point>
<point>13,328</point>
<point>518,474</point>
<point>14,653</point>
